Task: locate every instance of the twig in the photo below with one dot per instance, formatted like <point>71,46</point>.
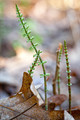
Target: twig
<point>54,82</point>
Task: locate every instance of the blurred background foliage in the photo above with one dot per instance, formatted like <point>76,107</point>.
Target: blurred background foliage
<point>51,22</point>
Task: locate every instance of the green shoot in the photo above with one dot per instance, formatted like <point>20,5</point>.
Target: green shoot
<point>59,60</point>
<point>68,74</point>
<point>30,38</point>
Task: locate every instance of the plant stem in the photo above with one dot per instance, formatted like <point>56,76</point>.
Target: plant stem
<point>56,73</point>
<point>34,64</point>
<point>59,60</point>
<point>59,80</point>
<point>44,72</point>
<point>68,74</point>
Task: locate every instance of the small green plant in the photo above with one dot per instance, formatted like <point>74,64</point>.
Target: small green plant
<point>38,61</point>
<point>68,74</point>
<point>57,73</point>
<point>27,33</point>
<point>59,60</point>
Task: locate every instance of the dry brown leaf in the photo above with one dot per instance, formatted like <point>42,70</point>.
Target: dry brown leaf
<point>54,101</point>
<point>76,114</point>
<point>24,106</point>
<point>15,104</point>
<point>76,107</point>
<point>57,99</point>
<point>25,89</point>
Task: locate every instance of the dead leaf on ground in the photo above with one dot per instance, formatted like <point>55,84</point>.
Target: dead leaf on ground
<point>24,106</point>
<point>25,90</point>
<point>76,107</point>
<point>54,101</point>
<point>57,99</point>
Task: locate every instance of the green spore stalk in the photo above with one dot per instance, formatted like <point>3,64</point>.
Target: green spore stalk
<point>68,74</point>
<point>30,39</point>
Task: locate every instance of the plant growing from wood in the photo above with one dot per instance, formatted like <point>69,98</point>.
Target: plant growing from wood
<point>68,74</point>
<point>30,38</point>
